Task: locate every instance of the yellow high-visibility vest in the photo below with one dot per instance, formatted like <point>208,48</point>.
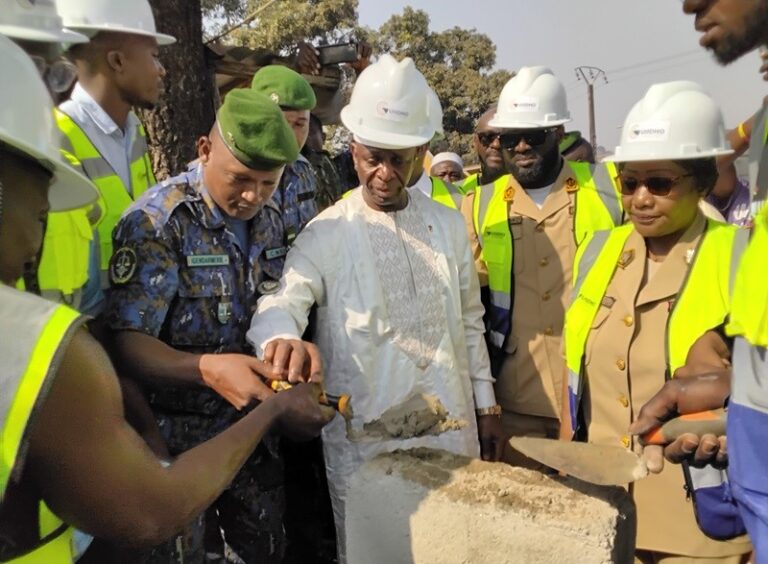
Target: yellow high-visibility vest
<point>749,312</point>
<point>598,206</point>
<point>40,332</point>
<point>702,303</point>
<point>114,196</point>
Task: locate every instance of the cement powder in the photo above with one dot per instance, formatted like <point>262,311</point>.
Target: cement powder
<point>429,506</point>
<point>418,416</point>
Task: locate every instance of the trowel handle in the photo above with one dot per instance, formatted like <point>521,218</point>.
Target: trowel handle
<point>700,423</point>
<point>339,403</point>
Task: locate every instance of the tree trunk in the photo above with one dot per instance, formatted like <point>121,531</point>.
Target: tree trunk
<point>186,110</point>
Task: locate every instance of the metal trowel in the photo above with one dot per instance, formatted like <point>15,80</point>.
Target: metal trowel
<point>614,465</point>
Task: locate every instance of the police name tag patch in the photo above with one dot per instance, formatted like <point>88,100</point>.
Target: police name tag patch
<point>276,253</point>
<point>207,260</point>
<point>122,267</point>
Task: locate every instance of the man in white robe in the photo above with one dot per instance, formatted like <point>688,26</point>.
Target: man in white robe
<point>397,294</point>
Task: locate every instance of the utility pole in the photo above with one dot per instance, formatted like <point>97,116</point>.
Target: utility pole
<point>590,75</point>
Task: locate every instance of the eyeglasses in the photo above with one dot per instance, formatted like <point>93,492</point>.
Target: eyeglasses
<point>656,185</point>
<point>486,138</point>
<point>534,138</point>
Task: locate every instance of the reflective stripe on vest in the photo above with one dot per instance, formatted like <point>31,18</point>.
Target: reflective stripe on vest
<point>447,194</point>
<point>114,196</point>
<point>702,303</point>
<point>749,314</point>
<point>758,161</point>
<point>470,183</point>
<point>597,207</point>
<point>41,331</point>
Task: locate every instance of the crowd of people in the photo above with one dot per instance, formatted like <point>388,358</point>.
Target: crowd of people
<point>144,324</point>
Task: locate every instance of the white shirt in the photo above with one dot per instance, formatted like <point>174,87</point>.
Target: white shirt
<point>114,144</point>
<point>539,195</point>
<point>423,184</point>
<point>399,313</point>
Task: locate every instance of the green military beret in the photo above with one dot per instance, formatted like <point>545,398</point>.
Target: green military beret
<point>254,129</point>
<point>285,87</point>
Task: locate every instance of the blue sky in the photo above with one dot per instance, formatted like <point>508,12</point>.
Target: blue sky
<point>637,43</point>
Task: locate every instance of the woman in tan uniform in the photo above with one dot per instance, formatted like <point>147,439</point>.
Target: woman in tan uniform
<point>644,292</point>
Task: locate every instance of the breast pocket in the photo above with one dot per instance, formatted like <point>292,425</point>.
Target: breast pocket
<point>206,313</point>
<point>597,323</point>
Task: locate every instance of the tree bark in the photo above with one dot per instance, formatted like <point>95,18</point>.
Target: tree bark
<point>186,110</point>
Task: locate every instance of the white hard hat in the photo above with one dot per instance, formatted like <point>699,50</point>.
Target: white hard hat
<point>532,99</point>
<point>26,125</point>
<point>674,120</point>
<point>392,106</point>
<point>35,20</point>
<point>123,16</point>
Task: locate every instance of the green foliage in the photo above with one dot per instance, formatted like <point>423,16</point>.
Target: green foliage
<point>458,63</point>
<point>282,24</point>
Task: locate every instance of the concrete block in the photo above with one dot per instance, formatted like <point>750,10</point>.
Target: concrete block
<point>433,507</point>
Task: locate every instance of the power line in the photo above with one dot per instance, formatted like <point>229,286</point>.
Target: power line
<point>654,61</point>
<point>703,57</point>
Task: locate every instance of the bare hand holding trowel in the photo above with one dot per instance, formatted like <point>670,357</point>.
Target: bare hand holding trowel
<point>613,465</point>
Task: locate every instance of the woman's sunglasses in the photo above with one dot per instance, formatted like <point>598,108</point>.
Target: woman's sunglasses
<point>656,185</point>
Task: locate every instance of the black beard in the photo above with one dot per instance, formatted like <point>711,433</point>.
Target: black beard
<point>755,34</point>
<point>536,175</point>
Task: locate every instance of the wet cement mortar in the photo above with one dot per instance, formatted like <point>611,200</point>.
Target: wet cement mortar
<point>548,518</point>
<point>418,416</point>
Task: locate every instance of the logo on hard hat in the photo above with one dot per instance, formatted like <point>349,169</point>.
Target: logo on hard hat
<point>649,131</point>
<point>275,98</point>
<point>389,111</point>
<point>525,105</point>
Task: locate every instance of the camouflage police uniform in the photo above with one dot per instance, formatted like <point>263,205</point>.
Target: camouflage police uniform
<point>329,189</point>
<point>180,275</point>
<point>295,200</point>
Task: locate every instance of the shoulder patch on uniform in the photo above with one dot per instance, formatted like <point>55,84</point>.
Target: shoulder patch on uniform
<point>122,266</point>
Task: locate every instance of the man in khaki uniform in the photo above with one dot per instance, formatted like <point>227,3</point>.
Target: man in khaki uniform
<point>524,230</point>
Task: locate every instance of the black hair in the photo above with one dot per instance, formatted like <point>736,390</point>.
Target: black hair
<point>704,172</point>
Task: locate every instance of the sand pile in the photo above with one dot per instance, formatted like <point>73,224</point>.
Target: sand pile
<point>429,506</point>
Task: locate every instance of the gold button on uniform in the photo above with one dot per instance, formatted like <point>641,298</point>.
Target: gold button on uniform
<point>626,441</point>
<point>545,296</point>
<point>544,261</point>
<point>540,227</point>
<point>629,320</point>
<point>624,400</point>
<point>620,364</point>
<point>549,331</point>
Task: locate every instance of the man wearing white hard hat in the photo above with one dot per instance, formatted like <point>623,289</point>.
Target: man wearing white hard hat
<point>524,230</point>
<point>644,292</point>
<point>64,442</point>
<point>449,167</point>
<point>117,70</point>
<point>391,272</point>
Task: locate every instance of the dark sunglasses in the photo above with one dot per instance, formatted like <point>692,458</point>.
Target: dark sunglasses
<point>656,185</point>
<point>533,138</point>
<point>486,138</point>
